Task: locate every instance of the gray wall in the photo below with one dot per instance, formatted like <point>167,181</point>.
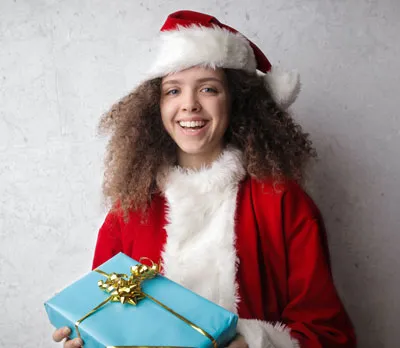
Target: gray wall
<point>62,63</point>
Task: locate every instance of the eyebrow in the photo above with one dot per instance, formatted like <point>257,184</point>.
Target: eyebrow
<point>204,79</point>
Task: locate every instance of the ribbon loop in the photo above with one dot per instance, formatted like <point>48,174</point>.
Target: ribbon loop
<point>126,289</point>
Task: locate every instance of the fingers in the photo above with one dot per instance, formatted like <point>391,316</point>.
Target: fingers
<point>75,343</point>
<point>61,333</point>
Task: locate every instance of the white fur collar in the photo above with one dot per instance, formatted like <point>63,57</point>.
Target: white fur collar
<point>226,170</point>
<point>200,228</point>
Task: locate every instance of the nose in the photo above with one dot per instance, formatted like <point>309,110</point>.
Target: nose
<point>190,103</point>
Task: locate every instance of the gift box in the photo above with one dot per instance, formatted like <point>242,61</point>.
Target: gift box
<point>165,315</point>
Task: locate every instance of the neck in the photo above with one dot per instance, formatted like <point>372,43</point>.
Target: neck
<point>198,160</point>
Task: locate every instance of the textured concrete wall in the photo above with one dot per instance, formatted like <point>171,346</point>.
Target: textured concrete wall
<point>62,63</point>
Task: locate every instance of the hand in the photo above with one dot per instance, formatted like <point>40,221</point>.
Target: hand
<point>238,342</point>
<point>63,333</point>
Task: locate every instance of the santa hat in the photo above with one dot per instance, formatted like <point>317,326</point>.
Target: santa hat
<point>191,38</point>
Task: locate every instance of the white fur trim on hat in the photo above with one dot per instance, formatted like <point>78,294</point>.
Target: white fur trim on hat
<point>196,45</point>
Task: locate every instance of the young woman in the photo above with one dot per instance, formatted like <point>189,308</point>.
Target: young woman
<point>203,171</point>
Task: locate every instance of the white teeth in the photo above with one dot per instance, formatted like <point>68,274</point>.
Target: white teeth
<point>191,124</point>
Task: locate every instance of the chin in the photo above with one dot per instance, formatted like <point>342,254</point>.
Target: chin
<point>192,150</point>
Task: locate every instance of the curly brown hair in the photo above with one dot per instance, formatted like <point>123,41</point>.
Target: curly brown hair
<point>273,144</point>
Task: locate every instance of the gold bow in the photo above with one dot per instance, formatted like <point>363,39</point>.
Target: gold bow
<point>127,290</point>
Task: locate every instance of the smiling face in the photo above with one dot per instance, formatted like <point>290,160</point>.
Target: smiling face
<point>194,108</point>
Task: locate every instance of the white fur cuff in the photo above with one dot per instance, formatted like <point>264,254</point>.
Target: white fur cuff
<point>261,334</point>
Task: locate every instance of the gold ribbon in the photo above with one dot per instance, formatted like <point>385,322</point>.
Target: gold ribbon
<point>128,290</point>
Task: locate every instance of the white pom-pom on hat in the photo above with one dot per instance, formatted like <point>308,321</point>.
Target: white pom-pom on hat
<point>283,85</point>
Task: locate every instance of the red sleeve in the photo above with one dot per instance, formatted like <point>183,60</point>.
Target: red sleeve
<point>108,240</point>
<point>314,311</point>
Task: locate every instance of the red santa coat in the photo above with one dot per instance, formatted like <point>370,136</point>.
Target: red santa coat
<point>257,249</point>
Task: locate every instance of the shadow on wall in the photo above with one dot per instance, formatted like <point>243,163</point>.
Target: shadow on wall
<point>336,186</point>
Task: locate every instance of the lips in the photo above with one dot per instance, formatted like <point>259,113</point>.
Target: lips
<point>193,127</point>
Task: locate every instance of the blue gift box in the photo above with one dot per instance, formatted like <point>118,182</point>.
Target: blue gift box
<point>147,324</point>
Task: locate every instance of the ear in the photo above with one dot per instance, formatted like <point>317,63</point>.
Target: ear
<point>284,86</point>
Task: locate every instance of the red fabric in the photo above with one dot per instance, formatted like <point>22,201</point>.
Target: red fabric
<point>188,18</point>
<point>284,273</point>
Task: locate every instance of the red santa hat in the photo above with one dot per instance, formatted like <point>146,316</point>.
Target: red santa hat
<point>191,38</point>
